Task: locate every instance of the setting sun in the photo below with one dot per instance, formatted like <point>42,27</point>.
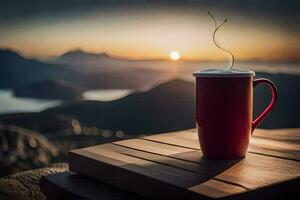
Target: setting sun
<point>174,55</point>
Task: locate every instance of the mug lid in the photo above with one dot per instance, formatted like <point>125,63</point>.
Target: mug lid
<point>223,73</point>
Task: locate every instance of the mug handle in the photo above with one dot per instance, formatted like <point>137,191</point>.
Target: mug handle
<point>273,88</point>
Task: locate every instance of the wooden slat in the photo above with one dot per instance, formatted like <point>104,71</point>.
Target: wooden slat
<point>161,172</point>
<point>142,171</point>
<point>214,188</point>
<point>160,147</point>
<point>180,153</point>
<point>207,168</point>
<point>281,149</point>
<point>257,171</point>
<point>252,172</point>
<point>99,167</point>
<point>186,139</point>
<point>68,185</point>
<point>291,135</point>
<point>284,143</point>
<point>171,166</point>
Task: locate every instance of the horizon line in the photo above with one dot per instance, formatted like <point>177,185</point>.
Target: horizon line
<point>49,57</point>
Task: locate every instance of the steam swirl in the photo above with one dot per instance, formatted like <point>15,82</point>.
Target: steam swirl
<point>215,42</point>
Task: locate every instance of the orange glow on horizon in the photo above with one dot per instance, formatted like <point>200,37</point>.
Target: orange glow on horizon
<point>153,37</point>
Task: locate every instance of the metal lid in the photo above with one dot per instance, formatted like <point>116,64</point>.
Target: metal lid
<point>223,73</point>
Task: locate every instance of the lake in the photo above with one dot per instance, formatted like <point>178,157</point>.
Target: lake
<point>11,104</point>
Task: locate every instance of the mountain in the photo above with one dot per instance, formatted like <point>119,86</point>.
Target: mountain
<point>104,71</point>
<point>92,62</point>
<point>16,70</point>
<point>78,54</point>
<point>166,107</point>
<point>50,89</point>
<point>102,62</point>
<point>169,106</point>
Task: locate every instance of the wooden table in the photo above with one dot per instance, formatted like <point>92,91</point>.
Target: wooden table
<point>72,186</point>
<point>171,165</point>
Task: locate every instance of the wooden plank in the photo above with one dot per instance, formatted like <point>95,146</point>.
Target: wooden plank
<point>160,147</point>
<point>214,188</point>
<point>206,168</point>
<point>98,167</point>
<point>161,172</point>
<point>257,171</point>
<point>280,149</point>
<point>282,145</point>
<point>290,135</point>
<point>109,163</point>
<point>179,153</point>
<point>186,139</point>
<point>172,166</point>
<point>68,185</point>
<point>252,172</point>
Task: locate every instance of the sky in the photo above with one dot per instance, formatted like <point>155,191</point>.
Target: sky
<point>256,30</point>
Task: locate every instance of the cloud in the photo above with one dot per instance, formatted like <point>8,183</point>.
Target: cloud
<point>284,14</point>
<point>18,10</point>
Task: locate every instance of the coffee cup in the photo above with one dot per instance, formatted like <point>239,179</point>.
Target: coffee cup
<point>224,111</point>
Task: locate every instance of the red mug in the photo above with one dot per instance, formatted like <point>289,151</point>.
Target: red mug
<point>224,109</point>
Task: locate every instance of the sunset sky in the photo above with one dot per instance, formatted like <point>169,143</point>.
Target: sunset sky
<point>143,30</point>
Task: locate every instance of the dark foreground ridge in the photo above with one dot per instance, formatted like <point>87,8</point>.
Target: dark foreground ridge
<point>166,107</point>
<point>50,89</point>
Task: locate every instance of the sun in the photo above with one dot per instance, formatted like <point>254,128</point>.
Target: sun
<point>174,55</point>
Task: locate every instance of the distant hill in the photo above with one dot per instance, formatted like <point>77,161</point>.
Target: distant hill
<point>50,89</point>
<point>171,105</point>
<point>104,71</point>
<point>167,107</point>
<point>78,54</point>
<point>102,62</point>
<point>90,62</point>
<point>16,71</point>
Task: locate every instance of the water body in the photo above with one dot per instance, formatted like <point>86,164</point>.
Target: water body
<point>11,104</point>
<point>105,95</point>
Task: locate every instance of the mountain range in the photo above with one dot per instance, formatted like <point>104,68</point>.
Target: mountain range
<point>50,89</point>
<point>91,62</point>
<point>17,71</point>
<point>166,107</point>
